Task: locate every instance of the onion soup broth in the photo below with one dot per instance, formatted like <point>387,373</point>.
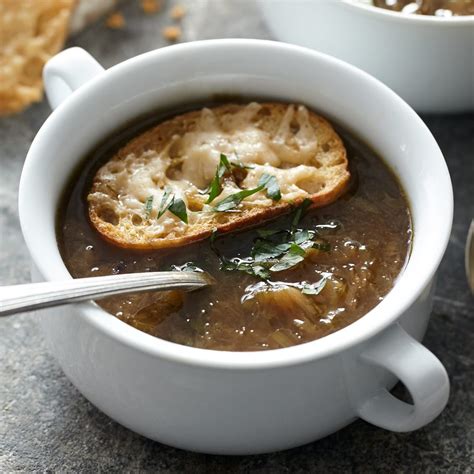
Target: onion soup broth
<point>363,242</point>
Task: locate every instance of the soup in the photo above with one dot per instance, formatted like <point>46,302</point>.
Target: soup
<point>442,8</point>
<point>354,249</point>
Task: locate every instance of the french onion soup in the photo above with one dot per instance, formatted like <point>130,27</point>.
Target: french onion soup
<point>303,227</point>
<point>440,8</point>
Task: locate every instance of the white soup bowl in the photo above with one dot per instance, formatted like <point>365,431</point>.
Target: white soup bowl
<point>237,402</point>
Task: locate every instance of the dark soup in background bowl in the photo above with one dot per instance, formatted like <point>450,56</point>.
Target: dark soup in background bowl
<point>440,8</point>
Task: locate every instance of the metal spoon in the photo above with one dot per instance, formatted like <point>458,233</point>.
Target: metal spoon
<point>31,296</point>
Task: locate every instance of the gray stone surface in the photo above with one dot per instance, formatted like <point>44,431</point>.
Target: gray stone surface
<point>46,425</point>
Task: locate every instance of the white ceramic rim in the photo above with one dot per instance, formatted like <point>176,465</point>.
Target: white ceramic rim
<point>432,20</point>
<point>366,327</point>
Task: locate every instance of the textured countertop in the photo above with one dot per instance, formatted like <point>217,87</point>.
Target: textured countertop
<point>46,425</point>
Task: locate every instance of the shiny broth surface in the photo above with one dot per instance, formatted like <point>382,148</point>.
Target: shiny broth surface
<point>366,234</point>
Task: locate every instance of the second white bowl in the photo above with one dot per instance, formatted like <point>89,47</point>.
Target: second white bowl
<point>427,60</point>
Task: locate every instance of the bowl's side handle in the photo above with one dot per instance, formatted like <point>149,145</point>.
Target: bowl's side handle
<point>66,72</point>
<point>418,369</point>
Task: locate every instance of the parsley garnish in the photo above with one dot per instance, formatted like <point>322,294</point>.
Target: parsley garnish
<point>292,257</point>
<point>299,212</point>
<point>175,205</point>
<point>232,201</point>
<point>215,188</point>
<point>163,205</point>
<point>314,288</point>
<point>224,166</point>
<point>265,249</point>
<point>178,208</point>
<point>272,187</point>
<point>277,250</point>
<point>266,181</point>
<point>246,265</point>
<point>148,206</point>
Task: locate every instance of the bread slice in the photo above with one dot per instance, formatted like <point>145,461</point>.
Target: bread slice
<point>298,147</point>
<point>31,32</point>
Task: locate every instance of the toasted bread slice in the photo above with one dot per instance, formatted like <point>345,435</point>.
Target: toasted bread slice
<point>181,155</point>
<point>31,32</point>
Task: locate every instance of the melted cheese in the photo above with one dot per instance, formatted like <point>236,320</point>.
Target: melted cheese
<point>187,165</point>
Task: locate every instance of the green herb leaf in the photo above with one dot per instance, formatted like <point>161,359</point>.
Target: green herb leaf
<point>272,253</point>
<point>165,204</point>
<point>264,250</point>
<point>233,200</point>
<point>245,265</point>
<point>224,161</point>
<point>314,288</point>
<point>294,256</point>
<point>178,208</point>
<point>260,272</point>
<point>215,187</point>
<point>299,213</point>
<point>302,236</point>
<point>175,205</point>
<point>271,185</point>
<point>148,206</point>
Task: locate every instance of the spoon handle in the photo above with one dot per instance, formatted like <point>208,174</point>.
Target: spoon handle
<point>31,296</point>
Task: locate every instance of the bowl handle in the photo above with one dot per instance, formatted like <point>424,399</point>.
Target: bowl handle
<point>66,72</point>
<point>418,369</point>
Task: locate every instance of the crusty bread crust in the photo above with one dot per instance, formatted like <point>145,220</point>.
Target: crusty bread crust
<point>326,157</point>
<point>30,33</point>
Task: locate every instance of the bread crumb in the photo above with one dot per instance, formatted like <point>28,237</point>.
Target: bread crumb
<point>116,21</point>
<point>177,12</point>
<point>151,6</point>
<point>171,33</point>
